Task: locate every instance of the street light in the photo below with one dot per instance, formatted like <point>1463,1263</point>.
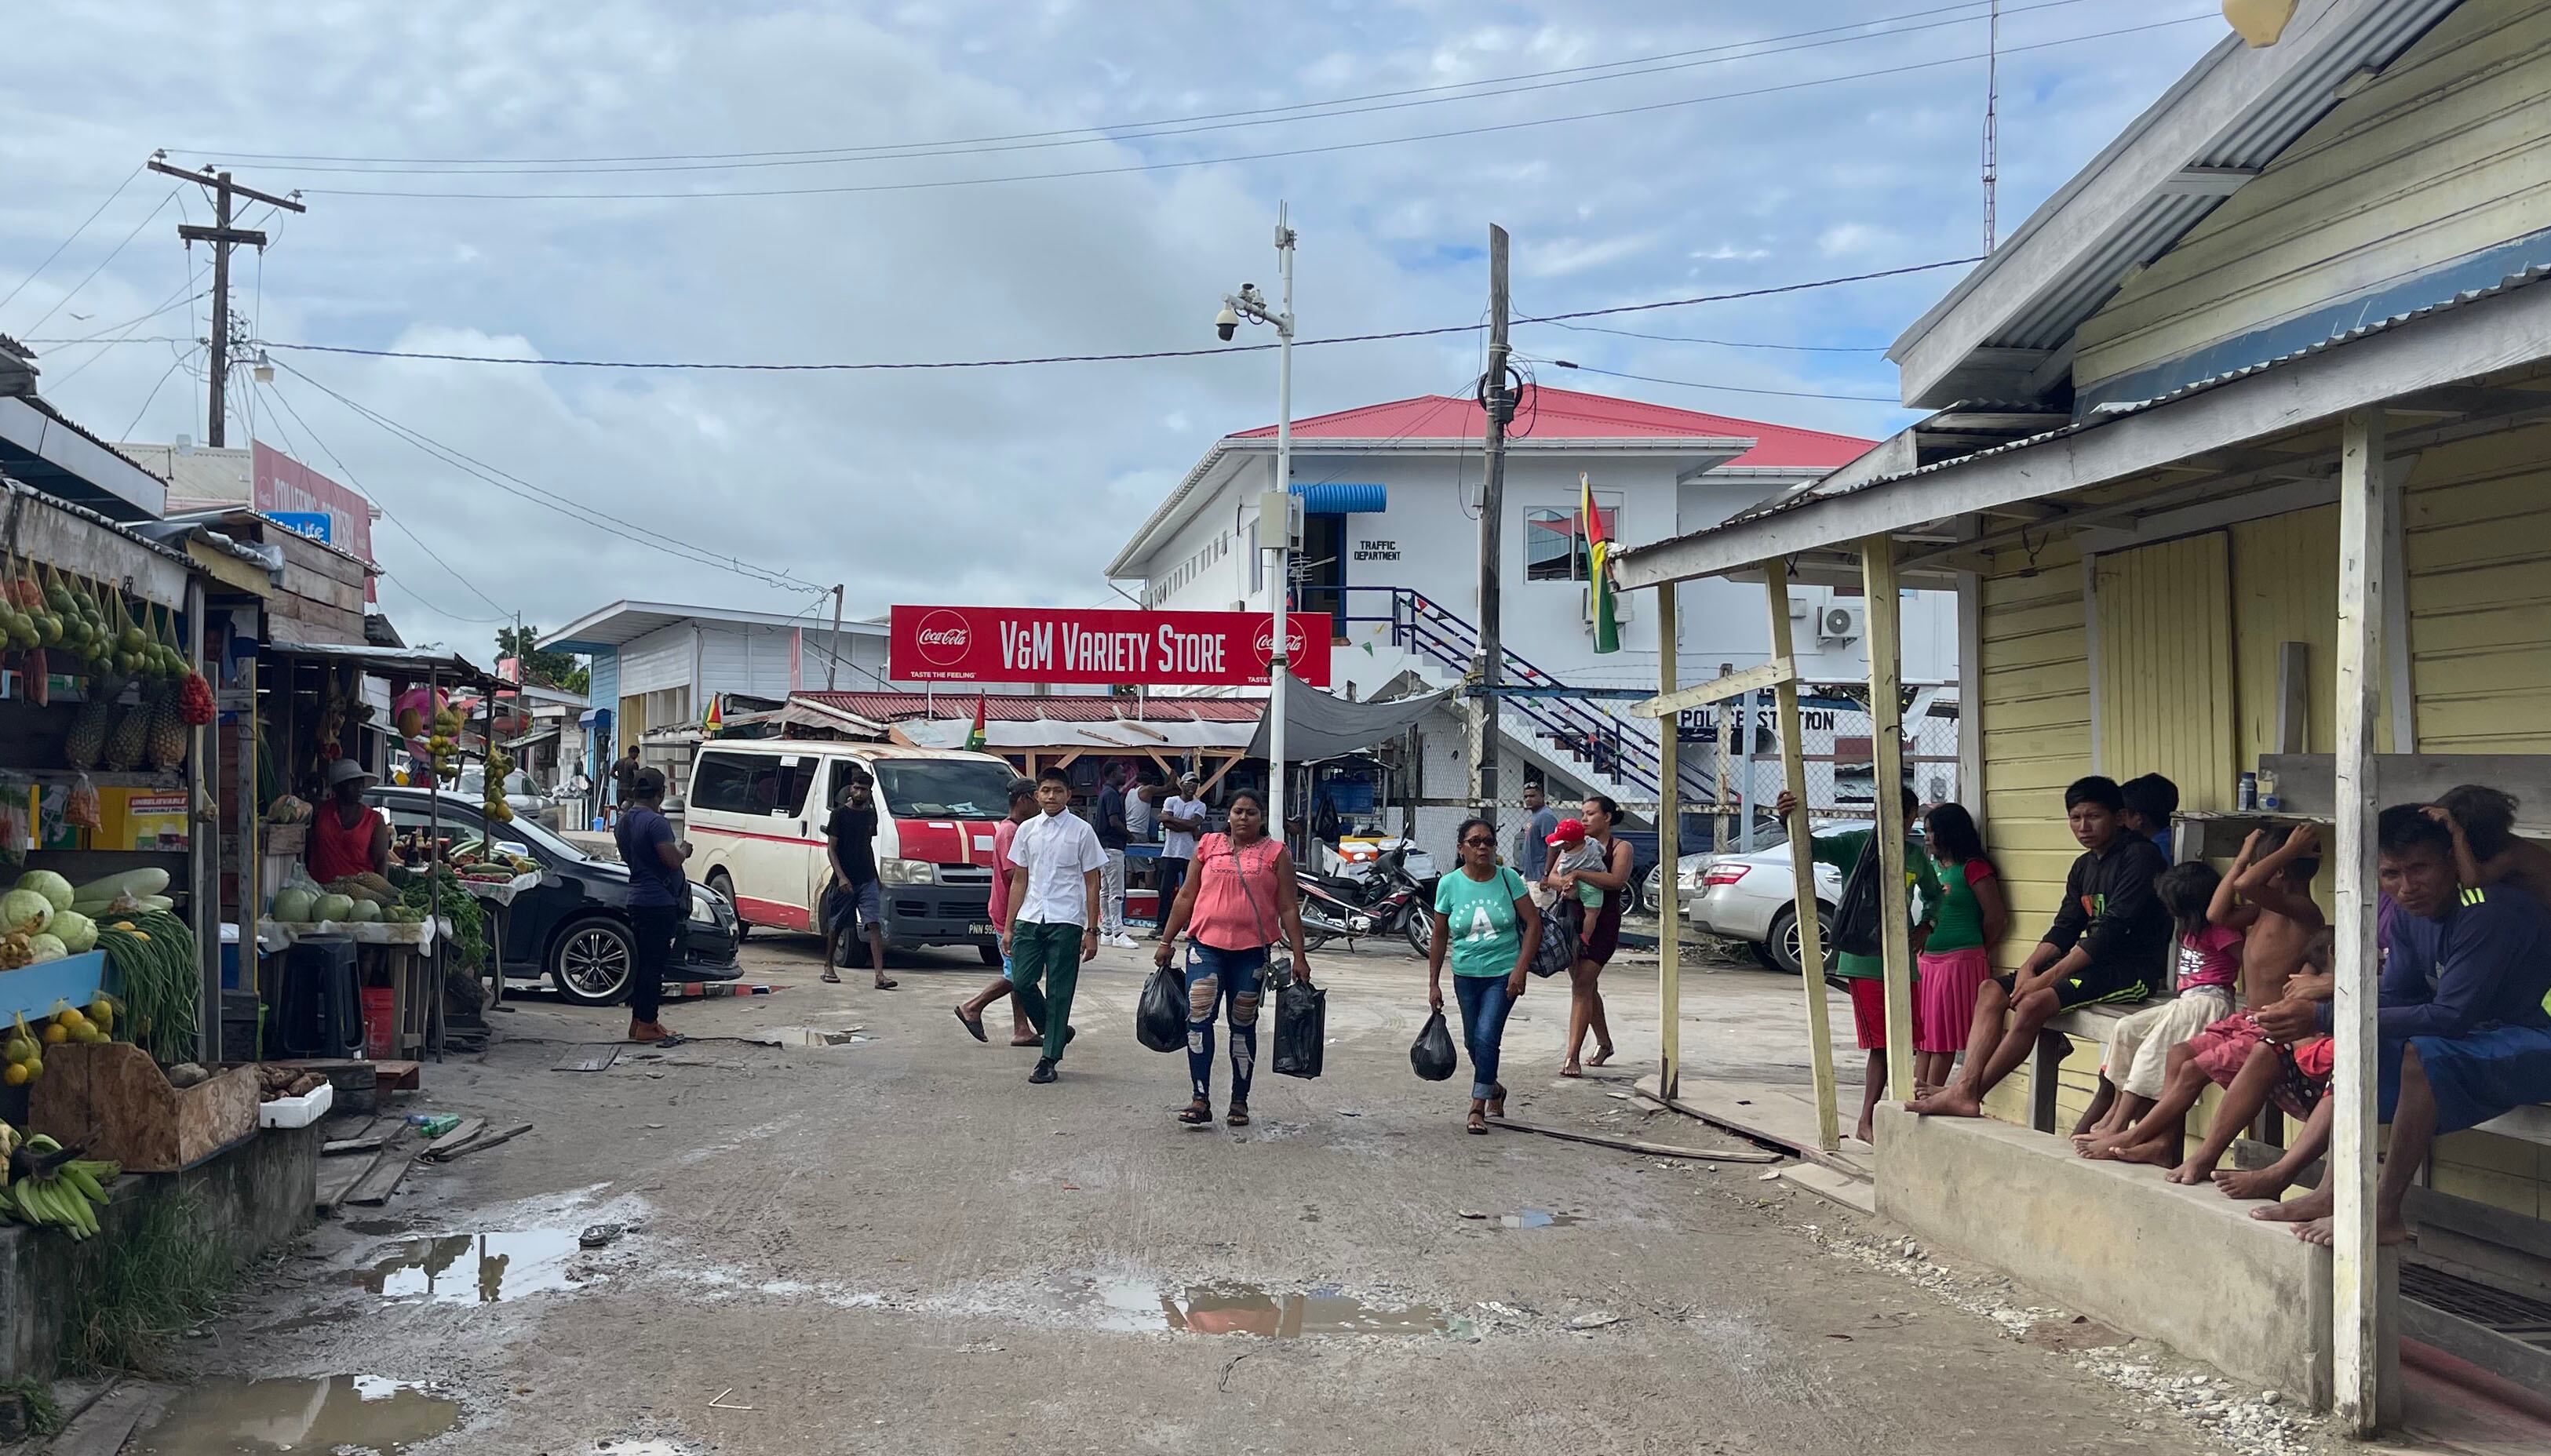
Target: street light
<point>1251,305</point>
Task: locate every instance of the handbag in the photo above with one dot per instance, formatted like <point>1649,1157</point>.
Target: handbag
<point>1301,1029</point>
<point>1561,937</point>
<point>1857,928</point>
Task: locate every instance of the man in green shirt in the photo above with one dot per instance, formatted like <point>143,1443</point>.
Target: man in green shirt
<point>1866,975</point>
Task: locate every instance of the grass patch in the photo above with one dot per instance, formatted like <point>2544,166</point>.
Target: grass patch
<point>43,1418</point>
<point>143,1291</point>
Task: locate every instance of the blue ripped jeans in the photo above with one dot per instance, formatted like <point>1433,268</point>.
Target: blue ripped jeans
<point>1216,976</point>
<point>1484,1004</point>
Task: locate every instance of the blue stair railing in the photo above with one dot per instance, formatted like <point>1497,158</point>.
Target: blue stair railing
<point>1610,746</point>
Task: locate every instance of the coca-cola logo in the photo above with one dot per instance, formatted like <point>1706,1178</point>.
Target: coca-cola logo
<point>1295,644</point>
<point>942,639</point>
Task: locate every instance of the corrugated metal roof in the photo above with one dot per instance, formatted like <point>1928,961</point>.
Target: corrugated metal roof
<point>1567,414</point>
<point>1025,708</point>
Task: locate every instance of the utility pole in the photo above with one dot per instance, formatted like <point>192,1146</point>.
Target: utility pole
<point>1489,668</point>
<point>222,235</point>
<point>832,649</point>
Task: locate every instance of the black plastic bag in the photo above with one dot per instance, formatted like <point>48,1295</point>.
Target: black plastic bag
<point>1161,1021</point>
<point>1559,943</point>
<point>1431,1054</point>
<point>1301,1029</point>
<point>1856,925</point>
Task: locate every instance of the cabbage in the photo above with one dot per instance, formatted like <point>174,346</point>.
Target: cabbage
<point>19,908</point>
<point>76,931</point>
<point>44,947</point>
<point>292,907</point>
<point>333,908</point>
<point>49,885</point>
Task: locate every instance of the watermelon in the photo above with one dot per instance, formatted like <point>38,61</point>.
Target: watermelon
<point>333,908</point>
<point>292,907</point>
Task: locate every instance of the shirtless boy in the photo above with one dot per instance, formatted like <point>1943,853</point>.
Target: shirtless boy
<point>2278,887</point>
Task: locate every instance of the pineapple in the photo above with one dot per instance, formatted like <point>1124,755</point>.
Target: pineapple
<point>132,736</point>
<point>87,741</point>
<point>168,733</point>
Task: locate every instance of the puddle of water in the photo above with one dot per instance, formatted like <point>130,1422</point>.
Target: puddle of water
<point>290,1417</point>
<point>375,1227</point>
<point>1538,1218</point>
<point>1140,1306</point>
<point>472,1268</point>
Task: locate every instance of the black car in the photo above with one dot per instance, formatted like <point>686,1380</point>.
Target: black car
<point>573,927</point>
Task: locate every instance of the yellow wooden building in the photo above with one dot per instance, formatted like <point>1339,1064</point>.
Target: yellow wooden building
<point>2242,451</point>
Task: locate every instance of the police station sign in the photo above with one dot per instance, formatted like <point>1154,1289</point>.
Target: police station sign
<point>1030,645</point>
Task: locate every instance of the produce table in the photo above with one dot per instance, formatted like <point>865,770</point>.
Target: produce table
<point>394,949</point>
<point>280,934</point>
<point>498,897</point>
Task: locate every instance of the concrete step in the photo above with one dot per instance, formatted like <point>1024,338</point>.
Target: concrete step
<point>1833,1185</point>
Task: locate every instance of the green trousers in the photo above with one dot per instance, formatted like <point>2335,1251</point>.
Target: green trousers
<point>1049,954</point>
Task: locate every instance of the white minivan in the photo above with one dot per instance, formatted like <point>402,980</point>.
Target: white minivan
<point>755,817</point>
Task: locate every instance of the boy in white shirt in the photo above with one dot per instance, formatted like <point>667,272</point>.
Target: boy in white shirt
<point>1056,861</point>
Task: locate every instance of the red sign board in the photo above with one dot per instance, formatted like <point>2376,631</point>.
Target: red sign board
<point>1032,644</point>
<point>280,483</point>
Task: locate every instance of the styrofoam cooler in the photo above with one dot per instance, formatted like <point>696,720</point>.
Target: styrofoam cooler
<point>1142,905</point>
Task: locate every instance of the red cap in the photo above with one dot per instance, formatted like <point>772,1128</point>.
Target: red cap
<point>1570,830</point>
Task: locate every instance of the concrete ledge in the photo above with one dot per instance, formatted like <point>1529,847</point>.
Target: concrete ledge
<point>2183,1265</point>
<point>252,1198</point>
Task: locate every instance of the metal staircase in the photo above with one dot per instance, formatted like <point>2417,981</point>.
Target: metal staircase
<point>1613,752</point>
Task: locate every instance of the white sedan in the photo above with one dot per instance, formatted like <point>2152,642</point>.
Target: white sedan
<point>1753,898</point>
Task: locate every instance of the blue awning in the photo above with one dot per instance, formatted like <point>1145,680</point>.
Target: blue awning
<point>1337,498</point>
<point>592,716</point>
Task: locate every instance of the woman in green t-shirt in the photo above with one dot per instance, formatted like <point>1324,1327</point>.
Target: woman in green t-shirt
<point>1485,917</point>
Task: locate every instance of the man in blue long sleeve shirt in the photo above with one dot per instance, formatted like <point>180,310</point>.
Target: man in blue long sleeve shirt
<point>2464,1035</point>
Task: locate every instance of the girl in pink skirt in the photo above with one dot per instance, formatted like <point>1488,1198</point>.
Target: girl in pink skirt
<point>1957,958</point>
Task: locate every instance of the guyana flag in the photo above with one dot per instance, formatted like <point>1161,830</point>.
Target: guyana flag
<point>716,719</point>
<point>1598,552</point>
<point>974,734</point>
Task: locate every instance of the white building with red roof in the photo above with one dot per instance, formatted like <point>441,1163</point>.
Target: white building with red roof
<point>1391,496</point>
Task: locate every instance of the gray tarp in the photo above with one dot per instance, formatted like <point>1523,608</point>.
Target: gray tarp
<point>1318,726</point>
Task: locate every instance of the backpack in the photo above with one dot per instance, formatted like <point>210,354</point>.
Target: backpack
<point>1857,926</point>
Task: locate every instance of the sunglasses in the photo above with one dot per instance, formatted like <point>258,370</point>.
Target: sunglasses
<point>1475,842</point>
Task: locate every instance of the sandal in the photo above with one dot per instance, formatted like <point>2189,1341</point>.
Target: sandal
<point>1497,1102</point>
<point>1602,1057</point>
<point>832,976</point>
<point>1239,1116</point>
<point>1196,1114</point>
<point>1479,1121</point>
<point>974,1025</point>
<point>884,982</point>
<point>1571,1070</point>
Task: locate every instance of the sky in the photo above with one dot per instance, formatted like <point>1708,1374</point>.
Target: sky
<point>967,181</point>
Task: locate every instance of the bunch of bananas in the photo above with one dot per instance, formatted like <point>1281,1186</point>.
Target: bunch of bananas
<point>66,1197</point>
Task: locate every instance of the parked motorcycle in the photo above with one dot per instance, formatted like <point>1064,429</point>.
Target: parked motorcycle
<point>1387,900</point>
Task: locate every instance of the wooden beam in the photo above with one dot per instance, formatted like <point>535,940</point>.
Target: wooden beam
<point>2353,1171</point>
<point>1228,765</point>
<point>1669,701</point>
<point>1803,869</point>
<point>1669,854</point>
<point>1887,746</point>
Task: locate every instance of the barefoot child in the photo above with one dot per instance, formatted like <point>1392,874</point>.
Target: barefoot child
<point>2210,925</point>
<point>1957,959</point>
<point>2486,849</point>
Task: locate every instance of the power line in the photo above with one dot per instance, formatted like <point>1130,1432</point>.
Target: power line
<point>102,262</point>
<point>1804,394</point>
<point>1802,348</point>
<point>32,274</point>
<point>1768,291</point>
<point>1346,106</point>
<point>174,365</point>
<point>574,511</point>
<point>933,184</point>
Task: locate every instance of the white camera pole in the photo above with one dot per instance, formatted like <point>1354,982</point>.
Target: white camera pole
<point>1276,506</point>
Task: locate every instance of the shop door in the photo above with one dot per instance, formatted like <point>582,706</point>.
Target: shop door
<point>1320,571</point>
<point>2163,648</point>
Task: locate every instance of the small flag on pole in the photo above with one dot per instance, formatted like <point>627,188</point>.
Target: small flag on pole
<point>1607,628</point>
<point>974,734</point>
<point>716,719</point>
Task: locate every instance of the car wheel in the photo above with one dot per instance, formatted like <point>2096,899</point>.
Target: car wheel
<point>1782,947</point>
<point>991,955</point>
<point>1652,891</point>
<point>724,884</point>
<point>1763,956</point>
<point>591,960</point>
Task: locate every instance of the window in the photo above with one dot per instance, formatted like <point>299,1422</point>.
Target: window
<point>1554,542</point>
<point>953,788</point>
<point>723,784</point>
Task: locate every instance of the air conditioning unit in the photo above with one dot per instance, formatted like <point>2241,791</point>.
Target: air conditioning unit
<point>1621,608</point>
<point>1841,622</point>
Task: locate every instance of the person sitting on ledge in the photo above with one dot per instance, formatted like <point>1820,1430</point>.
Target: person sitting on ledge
<point>2462,1033</point>
<point>2109,943</point>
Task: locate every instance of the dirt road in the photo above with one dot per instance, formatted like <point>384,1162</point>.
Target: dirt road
<point>897,1244</point>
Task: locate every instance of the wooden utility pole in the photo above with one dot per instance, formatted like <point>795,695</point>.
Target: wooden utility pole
<point>221,235</point>
<point>1489,668</point>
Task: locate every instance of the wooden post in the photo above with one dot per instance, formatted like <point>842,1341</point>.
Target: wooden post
<point>1811,950</point>
<point>1886,748</point>
<point>1669,856</point>
<point>2352,1168</point>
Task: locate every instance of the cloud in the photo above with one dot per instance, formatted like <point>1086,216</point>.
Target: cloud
<point>983,484</point>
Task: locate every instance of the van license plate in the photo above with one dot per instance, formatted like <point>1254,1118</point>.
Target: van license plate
<point>982,929</point>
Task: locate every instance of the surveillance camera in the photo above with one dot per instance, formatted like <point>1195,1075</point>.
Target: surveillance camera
<point>1225,323</point>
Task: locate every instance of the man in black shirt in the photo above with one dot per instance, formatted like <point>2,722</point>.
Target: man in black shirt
<point>2109,943</point>
<point>1113,836</point>
<point>855,900</point>
<point>624,779</point>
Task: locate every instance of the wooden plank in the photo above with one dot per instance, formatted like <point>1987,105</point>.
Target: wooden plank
<point>1670,848</point>
<point>339,1178</point>
<point>2305,782</point>
<point>1669,701</point>
<point>1633,1145</point>
<point>1794,775</point>
<point>2358,957</point>
<point>479,1144</point>
<point>381,1179</point>
<point>1887,746</point>
<point>462,1131</point>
